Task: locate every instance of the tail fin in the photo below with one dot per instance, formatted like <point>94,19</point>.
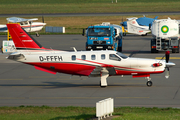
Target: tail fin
<point>21,39</point>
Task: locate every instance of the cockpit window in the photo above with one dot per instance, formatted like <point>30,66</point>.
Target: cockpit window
<point>114,57</point>
<point>122,55</point>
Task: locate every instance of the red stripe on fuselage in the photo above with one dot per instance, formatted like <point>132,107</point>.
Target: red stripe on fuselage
<point>69,68</point>
<point>123,72</point>
<point>106,65</point>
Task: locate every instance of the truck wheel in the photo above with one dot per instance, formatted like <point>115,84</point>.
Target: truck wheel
<point>175,50</point>
<point>1,49</point>
<point>154,51</point>
<point>124,34</point>
<point>119,49</point>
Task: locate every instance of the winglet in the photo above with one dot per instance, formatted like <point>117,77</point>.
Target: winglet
<point>21,38</point>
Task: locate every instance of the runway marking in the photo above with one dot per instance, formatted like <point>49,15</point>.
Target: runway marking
<point>70,79</point>
<point>42,77</point>
<point>12,97</point>
<point>11,79</point>
<point>132,97</point>
<point>72,97</point>
<point>129,83</point>
<point>169,58</point>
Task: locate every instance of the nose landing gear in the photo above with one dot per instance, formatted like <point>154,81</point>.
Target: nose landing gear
<point>149,82</point>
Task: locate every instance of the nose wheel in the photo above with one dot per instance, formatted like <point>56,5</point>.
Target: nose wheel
<point>149,82</point>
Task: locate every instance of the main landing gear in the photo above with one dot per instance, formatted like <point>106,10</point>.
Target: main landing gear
<point>149,82</point>
<point>103,82</point>
<point>37,34</point>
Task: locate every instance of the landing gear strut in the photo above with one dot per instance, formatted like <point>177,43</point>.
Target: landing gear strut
<point>103,82</point>
<point>37,34</point>
<point>149,82</point>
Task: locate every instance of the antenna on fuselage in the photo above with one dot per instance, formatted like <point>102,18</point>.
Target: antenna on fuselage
<point>74,49</point>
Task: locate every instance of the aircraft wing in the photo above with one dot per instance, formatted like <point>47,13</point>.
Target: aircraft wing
<point>132,18</point>
<point>17,19</point>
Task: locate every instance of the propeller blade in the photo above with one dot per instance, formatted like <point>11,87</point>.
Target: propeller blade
<point>43,19</point>
<point>167,73</point>
<point>167,54</point>
<point>30,25</point>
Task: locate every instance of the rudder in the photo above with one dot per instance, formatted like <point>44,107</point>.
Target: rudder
<point>21,38</point>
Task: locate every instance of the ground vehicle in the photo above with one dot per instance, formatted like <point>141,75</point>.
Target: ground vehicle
<point>104,36</point>
<point>165,35</point>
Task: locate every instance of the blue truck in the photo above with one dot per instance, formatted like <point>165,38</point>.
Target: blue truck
<point>104,36</point>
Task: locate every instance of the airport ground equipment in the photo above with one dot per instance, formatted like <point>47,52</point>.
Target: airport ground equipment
<point>104,36</point>
<point>165,34</point>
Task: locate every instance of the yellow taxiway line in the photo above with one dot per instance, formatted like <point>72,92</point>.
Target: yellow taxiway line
<point>169,58</point>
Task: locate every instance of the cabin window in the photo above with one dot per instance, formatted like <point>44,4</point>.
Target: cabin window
<point>83,57</point>
<point>73,57</point>
<point>114,57</point>
<point>93,57</point>
<point>103,56</point>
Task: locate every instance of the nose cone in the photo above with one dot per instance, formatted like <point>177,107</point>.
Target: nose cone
<point>170,64</point>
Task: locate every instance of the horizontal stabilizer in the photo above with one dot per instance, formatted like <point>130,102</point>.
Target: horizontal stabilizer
<point>45,70</point>
<point>16,56</point>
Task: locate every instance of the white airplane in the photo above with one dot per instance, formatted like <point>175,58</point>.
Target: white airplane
<point>83,63</point>
<point>134,28</point>
<point>139,26</point>
<point>27,24</point>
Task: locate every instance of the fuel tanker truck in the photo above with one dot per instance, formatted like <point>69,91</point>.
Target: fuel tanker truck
<point>165,34</point>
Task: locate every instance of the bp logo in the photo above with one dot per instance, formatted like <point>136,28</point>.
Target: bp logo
<point>164,29</point>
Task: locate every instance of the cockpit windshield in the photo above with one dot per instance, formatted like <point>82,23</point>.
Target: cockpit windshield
<point>99,32</point>
<point>122,55</point>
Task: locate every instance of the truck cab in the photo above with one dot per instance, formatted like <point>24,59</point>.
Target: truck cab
<point>102,37</point>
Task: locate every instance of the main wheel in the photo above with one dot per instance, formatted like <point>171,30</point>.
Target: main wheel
<point>149,83</point>
<point>119,49</point>
<point>175,50</point>
<point>154,51</point>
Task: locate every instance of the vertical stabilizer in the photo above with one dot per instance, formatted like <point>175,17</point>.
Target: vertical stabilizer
<point>21,39</point>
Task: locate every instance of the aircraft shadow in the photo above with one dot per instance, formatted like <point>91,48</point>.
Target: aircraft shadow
<point>50,85</point>
<point>82,116</point>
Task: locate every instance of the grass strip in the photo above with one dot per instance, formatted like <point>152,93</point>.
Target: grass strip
<point>74,25</point>
<point>85,113</point>
<point>86,6</point>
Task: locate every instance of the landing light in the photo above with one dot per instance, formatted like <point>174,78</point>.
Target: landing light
<point>157,64</point>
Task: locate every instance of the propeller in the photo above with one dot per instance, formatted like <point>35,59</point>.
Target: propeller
<point>43,19</point>
<point>121,23</point>
<point>167,73</point>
